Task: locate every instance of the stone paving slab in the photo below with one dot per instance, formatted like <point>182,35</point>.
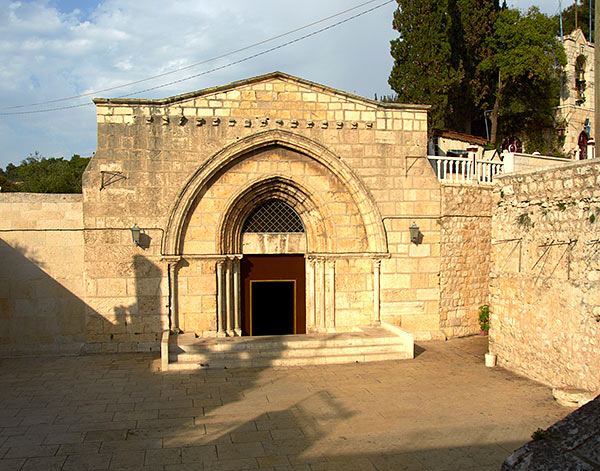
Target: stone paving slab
<point>444,410</point>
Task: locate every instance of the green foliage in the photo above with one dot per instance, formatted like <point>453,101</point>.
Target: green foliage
<point>464,57</point>
<point>484,317</point>
<point>527,59</point>
<point>6,185</point>
<point>562,206</point>
<point>524,221</point>
<point>539,434</point>
<point>583,11</point>
<point>37,174</point>
<point>437,57</point>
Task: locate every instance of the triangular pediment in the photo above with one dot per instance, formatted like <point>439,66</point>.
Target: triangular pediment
<point>278,82</point>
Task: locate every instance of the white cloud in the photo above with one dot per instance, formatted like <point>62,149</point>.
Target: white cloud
<point>48,53</point>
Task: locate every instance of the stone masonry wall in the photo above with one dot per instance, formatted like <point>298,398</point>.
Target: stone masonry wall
<point>545,287</point>
<point>41,274</point>
<point>465,257</point>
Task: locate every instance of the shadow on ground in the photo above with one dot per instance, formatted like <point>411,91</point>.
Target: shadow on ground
<point>443,410</point>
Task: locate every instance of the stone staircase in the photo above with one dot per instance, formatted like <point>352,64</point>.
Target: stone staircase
<point>186,352</point>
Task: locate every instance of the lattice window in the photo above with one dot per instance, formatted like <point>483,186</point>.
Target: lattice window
<point>273,216</point>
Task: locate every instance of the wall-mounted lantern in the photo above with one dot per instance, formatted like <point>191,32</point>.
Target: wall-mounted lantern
<point>414,233</point>
<point>135,235</point>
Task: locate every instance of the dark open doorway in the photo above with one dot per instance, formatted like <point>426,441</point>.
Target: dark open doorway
<point>273,295</point>
<point>272,307</point>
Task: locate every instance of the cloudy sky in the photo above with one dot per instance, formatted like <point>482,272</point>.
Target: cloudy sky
<point>54,49</point>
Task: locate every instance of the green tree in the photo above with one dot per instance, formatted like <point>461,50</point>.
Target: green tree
<point>472,24</point>
<point>424,71</point>
<point>6,185</point>
<point>437,59</point>
<point>527,62</point>
<point>577,15</point>
<point>37,174</point>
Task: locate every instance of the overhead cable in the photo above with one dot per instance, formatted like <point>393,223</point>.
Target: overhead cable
<point>174,71</point>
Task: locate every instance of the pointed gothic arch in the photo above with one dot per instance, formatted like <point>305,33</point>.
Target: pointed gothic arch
<point>279,187</point>
<point>273,185</point>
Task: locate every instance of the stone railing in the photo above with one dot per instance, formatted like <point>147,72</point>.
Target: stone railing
<point>470,170</point>
<point>466,170</point>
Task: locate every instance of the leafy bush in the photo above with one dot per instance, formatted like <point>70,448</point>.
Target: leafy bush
<point>484,317</point>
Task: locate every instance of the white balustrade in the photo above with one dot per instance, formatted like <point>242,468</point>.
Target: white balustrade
<point>465,169</point>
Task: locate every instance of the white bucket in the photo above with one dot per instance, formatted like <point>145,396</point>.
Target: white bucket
<point>490,360</point>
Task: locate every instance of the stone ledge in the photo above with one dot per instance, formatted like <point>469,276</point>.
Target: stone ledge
<point>572,443</point>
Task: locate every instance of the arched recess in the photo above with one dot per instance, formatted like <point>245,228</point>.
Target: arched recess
<point>199,182</point>
<point>273,187</point>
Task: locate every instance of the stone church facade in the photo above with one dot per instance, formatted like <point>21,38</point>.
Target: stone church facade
<point>273,205</point>
<point>191,171</point>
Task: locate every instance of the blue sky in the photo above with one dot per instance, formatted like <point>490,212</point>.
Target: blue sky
<point>59,48</point>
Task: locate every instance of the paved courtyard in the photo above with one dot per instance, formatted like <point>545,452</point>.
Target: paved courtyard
<point>444,410</point>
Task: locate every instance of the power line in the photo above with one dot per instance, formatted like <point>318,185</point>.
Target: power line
<point>247,58</point>
<point>258,54</point>
<point>96,92</point>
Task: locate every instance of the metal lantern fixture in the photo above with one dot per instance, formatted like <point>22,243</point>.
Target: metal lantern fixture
<point>414,233</point>
<point>135,235</point>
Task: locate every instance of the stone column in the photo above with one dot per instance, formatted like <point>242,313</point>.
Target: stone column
<point>172,322</point>
<point>311,298</point>
<point>322,306</point>
<point>174,318</point>
<point>376,292</point>
<point>220,299</point>
<point>229,314</point>
<point>237,311</point>
<point>331,296</point>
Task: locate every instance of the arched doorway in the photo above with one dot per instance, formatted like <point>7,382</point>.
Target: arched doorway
<point>206,241</point>
<point>582,143</point>
<point>273,271</point>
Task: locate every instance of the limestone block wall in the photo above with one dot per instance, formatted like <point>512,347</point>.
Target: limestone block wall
<point>42,308</point>
<point>410,296</point>
<point>465,257</point>
<point>545,286</point>
<point>126,290</point>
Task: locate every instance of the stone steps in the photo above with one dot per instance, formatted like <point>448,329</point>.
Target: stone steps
<point>370,344</point>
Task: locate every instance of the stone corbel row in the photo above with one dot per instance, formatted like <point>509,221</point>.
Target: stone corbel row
<point>262,122</point>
